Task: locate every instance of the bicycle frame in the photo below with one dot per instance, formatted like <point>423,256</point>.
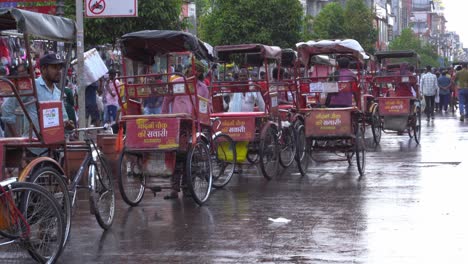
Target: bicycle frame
<point>91,157</point>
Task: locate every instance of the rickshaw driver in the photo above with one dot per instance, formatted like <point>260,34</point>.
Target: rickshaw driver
<point>183,104</point>
<point>406,89</point>
<point>51,66</point>
<point>245,102</point>
<point>342,99</point>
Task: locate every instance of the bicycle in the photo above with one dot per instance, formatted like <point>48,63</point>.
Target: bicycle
<point>100,182</point>
<point>223,155</point>
<point>30,219</point>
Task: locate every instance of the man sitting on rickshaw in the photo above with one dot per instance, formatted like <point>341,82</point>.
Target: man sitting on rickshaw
<point>51,66</point>
<point>246,101</point>
<point>183,104</point>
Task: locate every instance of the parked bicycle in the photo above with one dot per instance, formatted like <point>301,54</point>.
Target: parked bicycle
<point>30,220</point>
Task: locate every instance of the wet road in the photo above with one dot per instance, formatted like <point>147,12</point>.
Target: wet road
<point>409,208</point>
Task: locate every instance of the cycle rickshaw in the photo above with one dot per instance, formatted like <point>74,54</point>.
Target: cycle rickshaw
<point>46,127</point>
<point>255,130</point>
<point>156,146</point>
<point>328,126</point>
<point>397,90</point>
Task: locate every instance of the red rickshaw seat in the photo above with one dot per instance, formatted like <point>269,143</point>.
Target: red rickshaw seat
<point>239,114</point>
<point>176,115</point>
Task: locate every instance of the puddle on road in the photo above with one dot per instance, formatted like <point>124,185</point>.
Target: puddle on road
<point>431,164</point>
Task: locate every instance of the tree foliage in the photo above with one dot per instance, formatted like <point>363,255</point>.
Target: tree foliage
<point>355,21</point>
<point>271,22</point>
<point>359,24</point>
<point>329,23</point>
<point>408,41</point>
<point>152,14</point>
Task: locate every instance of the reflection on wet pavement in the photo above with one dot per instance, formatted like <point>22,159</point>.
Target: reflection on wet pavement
<point>408,208</point>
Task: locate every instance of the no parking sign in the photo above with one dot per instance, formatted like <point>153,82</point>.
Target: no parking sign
<point>111,8</point>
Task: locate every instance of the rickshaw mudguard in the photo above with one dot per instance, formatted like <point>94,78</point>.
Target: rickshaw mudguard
<point>37,162</point>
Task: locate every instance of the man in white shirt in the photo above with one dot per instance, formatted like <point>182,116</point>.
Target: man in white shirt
<point>245,102</point>
<point>429,88</point>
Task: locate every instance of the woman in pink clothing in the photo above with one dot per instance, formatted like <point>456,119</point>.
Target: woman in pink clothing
<point>183,103</point>
<point>343,99</point>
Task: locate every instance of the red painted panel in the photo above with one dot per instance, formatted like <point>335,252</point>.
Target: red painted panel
<point>152,133</point>
<point>328,122</point>
<point>394,106</point>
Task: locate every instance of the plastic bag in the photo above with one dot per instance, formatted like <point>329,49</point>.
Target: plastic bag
<point>423,105</point>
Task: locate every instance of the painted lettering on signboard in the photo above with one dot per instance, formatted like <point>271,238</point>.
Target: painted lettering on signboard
<point>153,133</point>
<point>328,123</point>
<point>394,106</point>
<point>238,128</point>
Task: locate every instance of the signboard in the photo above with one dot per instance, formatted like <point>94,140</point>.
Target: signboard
<point>394,106</point>
<point>238,128</point>
<point>51,122</point>
<point>39,6</point>
<point>111,8</point>
<point>322,123</point>
<point>155,133</point>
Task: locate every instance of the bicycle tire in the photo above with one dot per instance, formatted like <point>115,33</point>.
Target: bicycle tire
<point>101,182</point>
<point>60,192</point>
<point>132,190</point>
<point>287,147</point>
<point>199,177</point>
<point>41,210</point>
<point>223,169</point>
<point>269,152</point>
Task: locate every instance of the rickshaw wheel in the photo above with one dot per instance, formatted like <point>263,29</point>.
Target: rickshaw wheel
<point>52,181</point>
<point>102,196</point>
<point>417,125</point>
<point>303,148</point>
<point>269,152</point>
<point>360,149</point>
<point>223,159</point>
<point>199,177</point>
<point>131,178</point>
<point>376,125</point>
<point>288,147</point>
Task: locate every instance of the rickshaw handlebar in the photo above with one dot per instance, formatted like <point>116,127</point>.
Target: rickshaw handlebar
<point>106,126</point>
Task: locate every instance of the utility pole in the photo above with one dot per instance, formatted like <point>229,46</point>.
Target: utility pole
<point>80,65</point>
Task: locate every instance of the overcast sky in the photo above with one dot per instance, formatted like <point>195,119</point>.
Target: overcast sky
<point>456,12</point>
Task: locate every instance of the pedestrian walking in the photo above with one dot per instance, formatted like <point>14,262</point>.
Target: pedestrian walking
<point>445,86</point>
<point>429,88</point>
<point>110,97</point>
<point>461,78</point>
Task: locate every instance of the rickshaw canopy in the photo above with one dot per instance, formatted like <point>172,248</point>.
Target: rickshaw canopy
<point>288,57</point>
<point>144,45</point>
<point>346,46</point>
<point>40,25</point>
<point>380,55</point>
<point>265,52</point>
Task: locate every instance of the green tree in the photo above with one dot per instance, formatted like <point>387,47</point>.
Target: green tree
<point>152,14</point>
<point>329,22</point>
<point>271,22</point>
<point>359,24</point>
<point>408,41</point>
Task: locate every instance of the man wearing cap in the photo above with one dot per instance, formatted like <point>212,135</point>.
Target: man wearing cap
<point>51,66</point>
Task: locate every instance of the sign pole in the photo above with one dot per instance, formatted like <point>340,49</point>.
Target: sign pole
<point>80,65</point>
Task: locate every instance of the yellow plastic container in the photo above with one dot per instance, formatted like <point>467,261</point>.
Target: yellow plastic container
<point>225,151</point>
